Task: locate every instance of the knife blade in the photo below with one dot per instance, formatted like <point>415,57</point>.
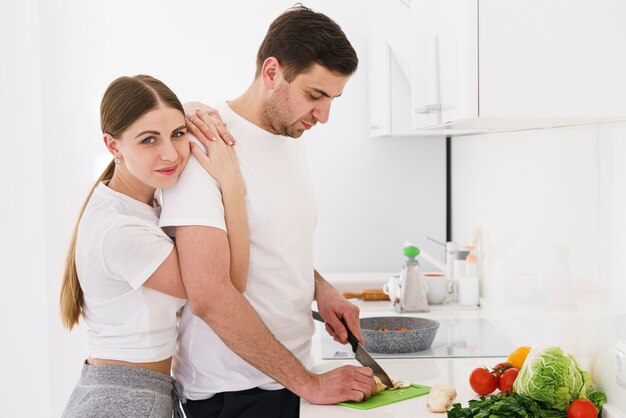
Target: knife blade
<point>360,354</point>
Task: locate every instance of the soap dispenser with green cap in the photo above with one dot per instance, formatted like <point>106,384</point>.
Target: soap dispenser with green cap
<point>411,288</point>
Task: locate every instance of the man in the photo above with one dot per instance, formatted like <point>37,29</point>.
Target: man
<point>232,368</point>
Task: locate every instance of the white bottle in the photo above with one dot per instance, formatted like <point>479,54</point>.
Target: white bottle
<point>459,270</point>
<point>468,283</point>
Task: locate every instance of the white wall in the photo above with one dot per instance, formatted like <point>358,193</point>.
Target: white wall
<point>551,206</point>
<point>24,342</point>
<point>372,193</point>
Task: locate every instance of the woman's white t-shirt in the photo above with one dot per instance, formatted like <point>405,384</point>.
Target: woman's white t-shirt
<point>119,246</point>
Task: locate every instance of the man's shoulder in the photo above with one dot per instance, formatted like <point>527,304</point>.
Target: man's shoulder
<point>225,112</point>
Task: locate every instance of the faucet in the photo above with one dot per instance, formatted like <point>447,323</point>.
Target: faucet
<point>451,250</point>
<point>432,260</point>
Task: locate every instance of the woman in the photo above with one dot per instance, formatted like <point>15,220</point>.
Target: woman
<point>122,274</point>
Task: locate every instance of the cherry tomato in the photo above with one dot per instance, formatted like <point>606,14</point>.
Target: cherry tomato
<point>501,367</point>
<point>506,380</point>
<point>582,408</point>
<point>482,381</point>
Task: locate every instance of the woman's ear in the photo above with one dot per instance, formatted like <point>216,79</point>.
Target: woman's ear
<point>111,144</point>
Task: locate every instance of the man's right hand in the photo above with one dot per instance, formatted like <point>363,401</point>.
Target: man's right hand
<point>347,383</point>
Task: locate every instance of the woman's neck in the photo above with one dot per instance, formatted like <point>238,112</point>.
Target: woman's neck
<point>130,186</point>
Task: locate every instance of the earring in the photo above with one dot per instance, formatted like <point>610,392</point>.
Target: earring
<point>117,161</point>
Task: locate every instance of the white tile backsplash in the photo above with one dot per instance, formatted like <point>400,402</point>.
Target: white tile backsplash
<point>551,205</point>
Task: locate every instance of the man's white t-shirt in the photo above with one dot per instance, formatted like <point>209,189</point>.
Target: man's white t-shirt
<point>119,245</point>
<point>281,218</point>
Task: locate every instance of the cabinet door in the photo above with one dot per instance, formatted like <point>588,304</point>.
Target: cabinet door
<point>379,88</point>
<point>444,63</point>
<point>552,58</point>
<point>389,68</point>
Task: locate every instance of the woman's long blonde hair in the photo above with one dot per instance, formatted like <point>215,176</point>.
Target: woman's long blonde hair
<point>125,100</point>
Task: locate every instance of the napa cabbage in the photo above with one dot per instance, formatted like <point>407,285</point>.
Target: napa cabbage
<point>555,379</point>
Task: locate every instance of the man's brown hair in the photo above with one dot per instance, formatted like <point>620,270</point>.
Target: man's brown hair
<point>300,37</point>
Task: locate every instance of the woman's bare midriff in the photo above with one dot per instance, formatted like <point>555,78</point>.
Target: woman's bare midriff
<point>162,366</point>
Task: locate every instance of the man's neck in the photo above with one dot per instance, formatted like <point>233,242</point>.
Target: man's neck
<point>250,105</point>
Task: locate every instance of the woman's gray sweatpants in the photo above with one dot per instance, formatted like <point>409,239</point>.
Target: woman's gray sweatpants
<point>124,392</point>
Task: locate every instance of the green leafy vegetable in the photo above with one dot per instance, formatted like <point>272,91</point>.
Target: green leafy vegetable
<point>555,379</point>
<point>513,406</point>
<point>588,392</point>
<point>597,398</point>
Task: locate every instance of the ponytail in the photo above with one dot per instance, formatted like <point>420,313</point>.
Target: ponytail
<point>125,100</point>
<point>71,299</point>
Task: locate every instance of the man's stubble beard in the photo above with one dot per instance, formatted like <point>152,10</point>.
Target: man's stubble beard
<point>275,113</point>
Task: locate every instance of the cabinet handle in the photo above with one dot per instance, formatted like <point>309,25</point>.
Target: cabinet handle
<point>433,108</point>
<point>374,126</point>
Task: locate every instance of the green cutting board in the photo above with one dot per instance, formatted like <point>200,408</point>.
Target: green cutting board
<point>389,396</point>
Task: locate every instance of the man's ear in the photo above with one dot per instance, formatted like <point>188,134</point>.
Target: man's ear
<point>270,71</point>
<point>111,144</point>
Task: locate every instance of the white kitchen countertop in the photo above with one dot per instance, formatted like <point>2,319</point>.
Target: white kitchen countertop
<point>424,371</point>
<point>429,372</point>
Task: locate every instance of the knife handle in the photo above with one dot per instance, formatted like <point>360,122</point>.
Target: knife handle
<point>351,338</point>
<point>317,316</point>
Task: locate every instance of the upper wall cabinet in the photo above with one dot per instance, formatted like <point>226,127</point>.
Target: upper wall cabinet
<point>552,58</point>
<point>477,66</point>
<point>390,68</point>
<point>444,65</point>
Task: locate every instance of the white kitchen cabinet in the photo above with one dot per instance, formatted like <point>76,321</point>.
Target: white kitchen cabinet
<point>379,81</point>
<point>423,64</point>
<point>389,68</point>
<point>479,66</point>
<point>552,58</point>
<point>444,61</point>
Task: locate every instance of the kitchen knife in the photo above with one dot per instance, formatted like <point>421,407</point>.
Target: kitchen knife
<point>360,354</point>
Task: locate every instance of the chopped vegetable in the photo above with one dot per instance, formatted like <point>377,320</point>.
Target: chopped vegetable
<point>400,329</point>
<point>380,386</point>
<point>400,384</point>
